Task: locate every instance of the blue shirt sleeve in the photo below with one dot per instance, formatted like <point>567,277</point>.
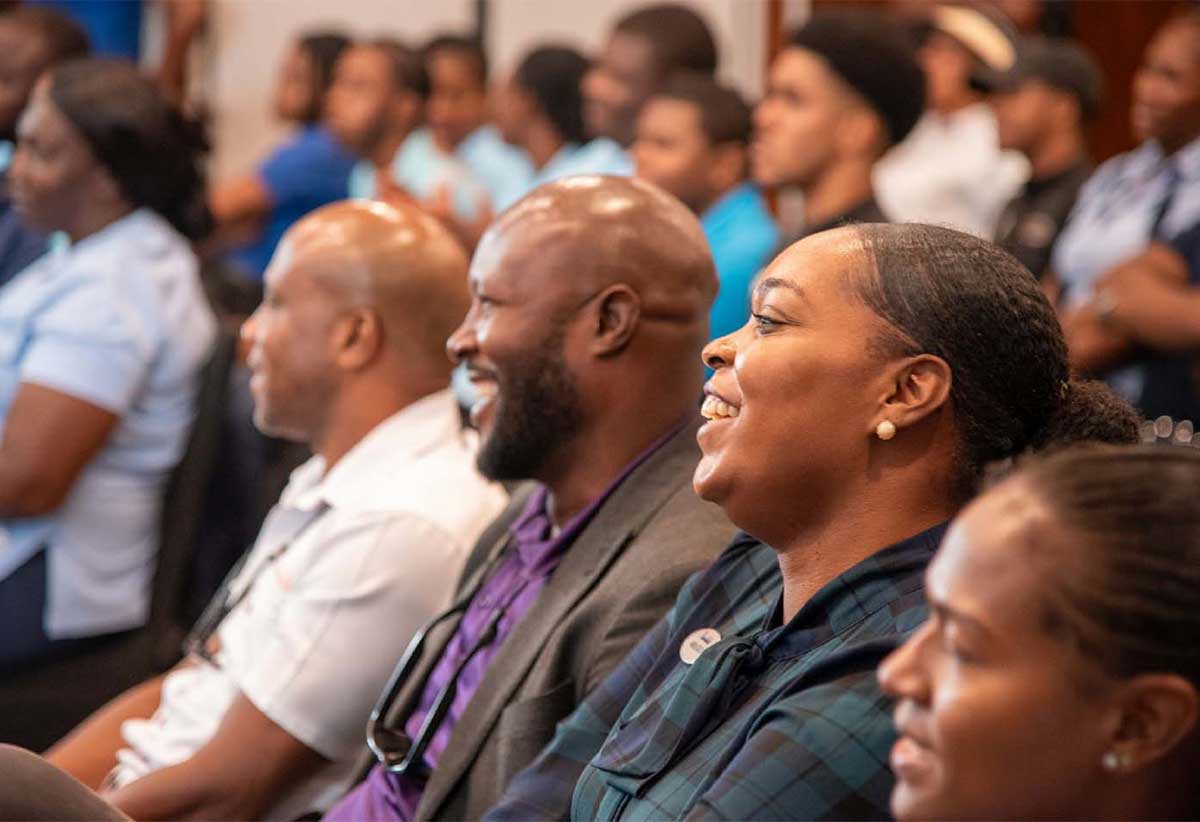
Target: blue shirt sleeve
<point>311,167</point>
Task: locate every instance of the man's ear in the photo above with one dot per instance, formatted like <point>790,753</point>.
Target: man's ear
<point>615,314</point>
<point>915,387</point>
<point>357,337</point>
<point>1155,713</point>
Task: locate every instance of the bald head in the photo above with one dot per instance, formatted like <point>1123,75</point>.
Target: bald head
<point>582,234</point>
<point>395,259</point>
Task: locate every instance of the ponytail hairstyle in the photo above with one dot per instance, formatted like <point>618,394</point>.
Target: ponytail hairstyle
<point>150,148</point>
<point>1129,596</point>
<point>967,301</point>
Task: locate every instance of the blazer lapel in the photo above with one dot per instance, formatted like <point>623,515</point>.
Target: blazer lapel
<point>616,524</point>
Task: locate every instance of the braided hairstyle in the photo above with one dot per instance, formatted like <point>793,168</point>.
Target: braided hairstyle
<point>965,300</point>
<point>152,150</point>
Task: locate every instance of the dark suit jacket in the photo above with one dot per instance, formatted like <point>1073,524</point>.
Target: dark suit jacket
<point>614,582</point>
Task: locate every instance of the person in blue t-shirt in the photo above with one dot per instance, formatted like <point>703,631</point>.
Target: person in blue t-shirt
<point>693,140</point>
<point>307,171</point>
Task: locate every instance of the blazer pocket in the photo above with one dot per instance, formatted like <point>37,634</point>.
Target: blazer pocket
<point>528,726</point>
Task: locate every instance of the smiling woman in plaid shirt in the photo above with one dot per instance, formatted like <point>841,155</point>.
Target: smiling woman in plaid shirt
<point>882,368</point>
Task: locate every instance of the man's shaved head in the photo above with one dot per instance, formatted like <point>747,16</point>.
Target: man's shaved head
<point>594,231</point>
<point>359,299</point>
<point>590,308</point>
<point>396,259</point>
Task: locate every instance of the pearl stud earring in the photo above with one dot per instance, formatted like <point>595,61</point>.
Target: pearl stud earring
<point>885,430</point>
<point>1112,761</point>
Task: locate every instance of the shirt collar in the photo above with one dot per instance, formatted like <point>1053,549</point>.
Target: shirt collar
<point>406,435</point>
<point>875,583</point>
<point>532,530</point>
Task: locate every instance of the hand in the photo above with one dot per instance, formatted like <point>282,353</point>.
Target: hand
<point>1093,344</point>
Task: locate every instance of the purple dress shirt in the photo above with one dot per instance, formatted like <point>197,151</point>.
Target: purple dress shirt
<point>513,587</point>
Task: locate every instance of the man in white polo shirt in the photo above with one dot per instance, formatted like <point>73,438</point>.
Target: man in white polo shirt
<point>265,715</point>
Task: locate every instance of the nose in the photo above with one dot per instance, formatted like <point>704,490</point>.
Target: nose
<point>901,674</point>
<point>719,353</point>
<point>462,343</point>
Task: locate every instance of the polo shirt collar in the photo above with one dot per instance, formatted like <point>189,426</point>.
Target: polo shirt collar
<point>406,435</point>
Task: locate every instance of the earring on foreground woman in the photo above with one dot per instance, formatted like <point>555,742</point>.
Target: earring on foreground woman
<point>1058,675</point>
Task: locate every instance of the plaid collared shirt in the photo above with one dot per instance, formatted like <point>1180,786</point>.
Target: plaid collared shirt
<point>770,722</point>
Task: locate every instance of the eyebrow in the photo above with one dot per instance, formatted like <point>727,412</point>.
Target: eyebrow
<point>770,283</point>
<point>945,612</point>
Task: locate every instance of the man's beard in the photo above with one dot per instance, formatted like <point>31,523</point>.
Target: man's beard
<point>538,412</point>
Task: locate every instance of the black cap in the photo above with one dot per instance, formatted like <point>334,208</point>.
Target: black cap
<point>1058,63</point>
<point>873,59</point>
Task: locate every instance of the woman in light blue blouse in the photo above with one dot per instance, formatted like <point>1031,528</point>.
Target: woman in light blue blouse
<point>101,344</point>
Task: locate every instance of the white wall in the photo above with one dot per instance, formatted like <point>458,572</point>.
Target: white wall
<point>246,43</point>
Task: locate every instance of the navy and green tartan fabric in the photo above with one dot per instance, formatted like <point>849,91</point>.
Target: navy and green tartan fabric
<point>772,722</point>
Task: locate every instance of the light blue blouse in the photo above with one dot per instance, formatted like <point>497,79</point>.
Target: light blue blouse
<point>118,320</point>
<point>1112,221</point>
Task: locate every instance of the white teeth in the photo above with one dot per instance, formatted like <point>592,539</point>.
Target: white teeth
<point>717,409</point>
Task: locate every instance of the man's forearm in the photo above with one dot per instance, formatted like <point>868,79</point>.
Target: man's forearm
<point>89,752</point>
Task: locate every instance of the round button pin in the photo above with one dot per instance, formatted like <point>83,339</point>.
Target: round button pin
<point>696,643</point>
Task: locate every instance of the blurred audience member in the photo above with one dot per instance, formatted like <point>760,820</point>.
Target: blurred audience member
<point>309,170</point>
<point>31,41</point>
<point>693,140</point>
<point>1066,596</point>
<point>1042,108</point>
<point>540,110</point>
<point>591,301</point>
<point>376,101</point>
<point>265,715</point>
<point>458,127</point>
<point>106,340</point>
<point>951,169</point>
<point>843,90</point>
<point>644,48</point>
<point>113,28</point>
<point>1149,194</point>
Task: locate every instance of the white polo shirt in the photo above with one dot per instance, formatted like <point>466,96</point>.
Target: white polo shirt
<point>118,320</point>
<point>313,642</point>
<point>950,171</point>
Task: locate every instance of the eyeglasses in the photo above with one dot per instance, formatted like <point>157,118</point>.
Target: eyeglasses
<point>198,642</point>
<point>394,749</point>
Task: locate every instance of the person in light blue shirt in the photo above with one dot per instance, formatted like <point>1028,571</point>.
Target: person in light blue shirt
<point>539,109</point>
<point>644,48</point>
<point>457,117</point>
<point>693,140</point>
<point>101,345</point>
<point>310,169</point>
<point>1150,193</point>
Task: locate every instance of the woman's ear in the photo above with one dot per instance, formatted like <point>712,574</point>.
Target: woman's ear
<point>916,387</point>
<point>1156,713</point>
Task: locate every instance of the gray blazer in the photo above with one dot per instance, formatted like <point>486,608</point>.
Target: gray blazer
<point>616,580</point>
